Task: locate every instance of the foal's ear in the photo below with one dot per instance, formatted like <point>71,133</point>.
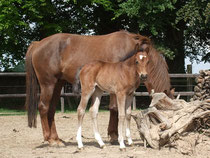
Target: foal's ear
<point>172,91</point>
<point>147,50</point>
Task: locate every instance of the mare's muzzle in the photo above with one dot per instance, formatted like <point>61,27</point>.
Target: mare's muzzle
<point>143,77</point>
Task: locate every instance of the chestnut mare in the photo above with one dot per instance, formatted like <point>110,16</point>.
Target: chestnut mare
<point>54,60</point>
<point>121,79</point>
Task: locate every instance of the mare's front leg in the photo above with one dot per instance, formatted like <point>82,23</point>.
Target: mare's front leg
<point>113,119</point>
<point>128,118</point>
<point>96,99</point>
<point>121,100</point>
<point>85,96</point>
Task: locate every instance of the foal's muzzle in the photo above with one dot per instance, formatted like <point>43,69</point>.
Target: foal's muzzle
<point>143,77</point>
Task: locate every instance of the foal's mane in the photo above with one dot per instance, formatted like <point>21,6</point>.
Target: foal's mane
<point>158,75</point>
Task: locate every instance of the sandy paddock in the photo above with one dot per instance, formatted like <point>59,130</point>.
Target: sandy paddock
<point>18,140</point>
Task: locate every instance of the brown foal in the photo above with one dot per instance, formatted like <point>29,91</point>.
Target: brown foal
<point>122,79</point>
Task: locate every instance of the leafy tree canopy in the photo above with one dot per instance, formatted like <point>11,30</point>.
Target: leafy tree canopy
<point>155,16</point>
<point>178,28</point>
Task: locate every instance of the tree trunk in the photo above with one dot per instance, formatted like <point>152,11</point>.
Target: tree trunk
<point>175,41</point>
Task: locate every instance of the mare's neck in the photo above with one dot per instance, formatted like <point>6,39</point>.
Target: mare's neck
<point>129,62</point>
<point>129,65</point>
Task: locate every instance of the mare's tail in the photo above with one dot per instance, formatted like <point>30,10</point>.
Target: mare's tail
<point>32,89</point>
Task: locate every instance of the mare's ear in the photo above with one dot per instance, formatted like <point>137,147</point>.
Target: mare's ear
<point>137,47</point>
<point>165,91</point>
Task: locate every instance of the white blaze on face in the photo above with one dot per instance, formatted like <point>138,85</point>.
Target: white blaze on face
<point>141,57</point>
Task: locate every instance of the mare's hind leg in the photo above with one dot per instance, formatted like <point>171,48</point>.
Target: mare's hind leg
<point>96,98</point>
<point>44,104</point>
<point>85,96</point>
<point>128,118</point>
<point>54,139</point>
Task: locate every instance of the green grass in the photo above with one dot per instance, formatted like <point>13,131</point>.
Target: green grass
<point>9,112</point>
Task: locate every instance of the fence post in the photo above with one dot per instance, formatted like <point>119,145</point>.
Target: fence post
<point>189,80</point>
<point>134,102</point>
<point>62,101</point>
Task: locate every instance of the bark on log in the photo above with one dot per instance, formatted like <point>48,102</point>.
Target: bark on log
<point>166,118</point>
<point>202,90</point>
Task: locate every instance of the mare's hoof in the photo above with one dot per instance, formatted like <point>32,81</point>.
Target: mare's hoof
<point>61,143</point>
<point>114,139</point>
<point>114,142</point>
<point>56,143</point>
<point>123,149</point>
<point>53,144</point>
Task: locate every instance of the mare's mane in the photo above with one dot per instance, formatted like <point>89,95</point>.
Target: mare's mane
<point>158,75</point>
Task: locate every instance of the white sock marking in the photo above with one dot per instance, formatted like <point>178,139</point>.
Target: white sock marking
<point>79,137</point>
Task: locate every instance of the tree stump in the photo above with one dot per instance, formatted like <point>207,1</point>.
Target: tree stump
<point>167,120</point>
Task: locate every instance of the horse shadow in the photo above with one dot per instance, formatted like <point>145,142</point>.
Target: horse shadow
<point>90,143</point>
<point>72,143</point>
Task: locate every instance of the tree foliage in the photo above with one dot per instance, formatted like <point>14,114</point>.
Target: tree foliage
<point>178,28</point>
<point>24,21</point>
<point>196,14</point>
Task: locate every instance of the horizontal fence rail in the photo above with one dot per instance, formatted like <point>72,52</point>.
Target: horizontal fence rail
<point>138,94</point>
<point>22,74</point>
<point>17,74</point>
<point>188,93</point>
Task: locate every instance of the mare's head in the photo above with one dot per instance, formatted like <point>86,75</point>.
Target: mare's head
<point>141,61</point>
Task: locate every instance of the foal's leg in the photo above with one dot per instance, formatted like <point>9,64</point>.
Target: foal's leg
<point>96,98</point>
<point>81,112</point>
<point>121,99</point>
<point>128,119</point>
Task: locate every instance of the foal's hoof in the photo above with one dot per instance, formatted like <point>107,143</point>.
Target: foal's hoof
<point>80,148</point>
<point>131,145</point>
<point>123,149</point>
<point>103,146</point>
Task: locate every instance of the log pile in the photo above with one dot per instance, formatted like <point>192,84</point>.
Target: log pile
<point>202,89</point>
<point>166,121</point>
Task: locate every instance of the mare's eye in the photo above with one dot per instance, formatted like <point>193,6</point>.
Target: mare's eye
<point>137,62</point>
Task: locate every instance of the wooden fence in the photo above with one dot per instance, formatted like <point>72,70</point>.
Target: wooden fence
<point>188,93</point>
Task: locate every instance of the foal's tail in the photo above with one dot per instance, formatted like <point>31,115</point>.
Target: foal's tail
<point>76,87</point>
<point>32,89</point>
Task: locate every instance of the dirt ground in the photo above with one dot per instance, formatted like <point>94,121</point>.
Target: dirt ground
<point>19,141</point>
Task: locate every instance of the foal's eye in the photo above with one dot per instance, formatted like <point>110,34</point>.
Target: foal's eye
<point>137,62</point>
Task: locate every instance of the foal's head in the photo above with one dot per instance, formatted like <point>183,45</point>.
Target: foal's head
<point>141,63</point>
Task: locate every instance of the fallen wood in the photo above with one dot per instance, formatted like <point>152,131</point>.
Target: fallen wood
<point>202,90</point>
<point>166,121</point>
